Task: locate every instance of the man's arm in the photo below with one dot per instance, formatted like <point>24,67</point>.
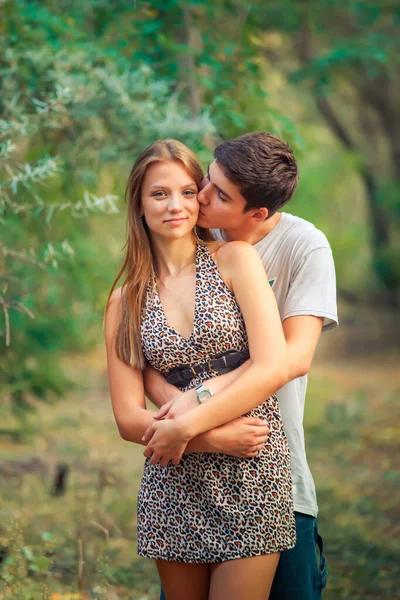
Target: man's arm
<point>157,388</point>
<point>302,334</point>
<point>241,437</point>
<point>310,305</point>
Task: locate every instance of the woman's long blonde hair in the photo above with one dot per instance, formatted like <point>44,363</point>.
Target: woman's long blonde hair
<point>138,267</point>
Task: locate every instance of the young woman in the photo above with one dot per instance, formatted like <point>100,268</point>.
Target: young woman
<point>214,524</point>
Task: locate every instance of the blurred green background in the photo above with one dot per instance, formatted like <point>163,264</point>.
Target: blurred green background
<point>84,86</point>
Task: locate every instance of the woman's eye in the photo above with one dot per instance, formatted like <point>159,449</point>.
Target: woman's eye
<point>190,193</point>
<point>158,194</point>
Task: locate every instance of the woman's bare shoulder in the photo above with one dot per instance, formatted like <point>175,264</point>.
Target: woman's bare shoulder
<point>231,258</point>
<point>214,247</point>
<point>116,296</point>
<point>232,253</point>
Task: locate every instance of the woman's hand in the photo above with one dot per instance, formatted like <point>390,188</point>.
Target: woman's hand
<point>178,406</point>
<point>166,441</point>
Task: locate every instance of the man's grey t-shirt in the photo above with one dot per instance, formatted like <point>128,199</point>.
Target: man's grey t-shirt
<point>299,264</point>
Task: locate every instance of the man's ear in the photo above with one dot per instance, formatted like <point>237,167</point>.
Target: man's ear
<point>261,214</point>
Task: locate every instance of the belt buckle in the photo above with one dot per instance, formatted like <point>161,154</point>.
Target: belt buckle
<point>210,369</point>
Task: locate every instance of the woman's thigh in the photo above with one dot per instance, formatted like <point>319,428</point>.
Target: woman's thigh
<point>181,581</point>
<point>243,578</point>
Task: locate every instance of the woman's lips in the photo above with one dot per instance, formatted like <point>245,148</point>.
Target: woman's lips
<point>176,221</point>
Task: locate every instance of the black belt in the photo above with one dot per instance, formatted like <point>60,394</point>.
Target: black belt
<point>223,363</point>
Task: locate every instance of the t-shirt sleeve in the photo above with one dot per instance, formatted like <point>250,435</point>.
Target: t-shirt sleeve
<point>312,289</point>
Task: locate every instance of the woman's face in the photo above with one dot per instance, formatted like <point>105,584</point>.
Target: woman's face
<point>169,200</point>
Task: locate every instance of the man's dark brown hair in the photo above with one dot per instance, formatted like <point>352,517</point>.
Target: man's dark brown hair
<point>264,168</point>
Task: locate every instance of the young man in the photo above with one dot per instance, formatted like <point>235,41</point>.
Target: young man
<point>250,180</point>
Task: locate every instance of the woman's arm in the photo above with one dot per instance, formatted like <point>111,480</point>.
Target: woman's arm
<point>241,437</point>
<point>162,393</point>
<point>126,383</point>
<point>181,402</point>
<point>240,266</point>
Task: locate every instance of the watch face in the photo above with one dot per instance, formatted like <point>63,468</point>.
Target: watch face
<point>204,395</point>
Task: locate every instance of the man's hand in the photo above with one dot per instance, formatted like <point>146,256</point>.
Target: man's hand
<point>244,437</point>
<point>177,406</point>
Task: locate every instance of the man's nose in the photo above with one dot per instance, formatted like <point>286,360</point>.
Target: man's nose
<point>203,195</point>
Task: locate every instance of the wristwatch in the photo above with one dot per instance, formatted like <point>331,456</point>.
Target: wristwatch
<point>203,393</point>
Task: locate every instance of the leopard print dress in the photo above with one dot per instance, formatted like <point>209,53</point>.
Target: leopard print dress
<point>212,507</point>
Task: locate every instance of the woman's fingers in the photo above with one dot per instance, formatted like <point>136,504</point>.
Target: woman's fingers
<point>177,459</point>
<point>147,452</point>
<point>155,458</point>
<point>164,461</point>
<point>148,434</point>
<point>160,414</point>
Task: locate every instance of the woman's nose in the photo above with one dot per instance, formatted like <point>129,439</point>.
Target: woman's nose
<point>175,203</point>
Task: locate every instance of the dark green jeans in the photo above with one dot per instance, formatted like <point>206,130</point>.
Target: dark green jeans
<point>301,572</point>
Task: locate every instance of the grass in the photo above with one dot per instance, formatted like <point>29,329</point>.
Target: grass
<point>353,455</point>
<point>82,544</point>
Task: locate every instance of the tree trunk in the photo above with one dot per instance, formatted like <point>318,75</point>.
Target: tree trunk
<point>378,218</point>
<point>189,70</point>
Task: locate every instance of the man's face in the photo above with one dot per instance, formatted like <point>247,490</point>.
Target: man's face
<point>221,203</point>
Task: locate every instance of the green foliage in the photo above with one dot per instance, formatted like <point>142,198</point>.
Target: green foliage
<point>72,110</point>
<point>343,56</point>
<point>346,56</point>
<point>86,85</point>
<point>204,49</point>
